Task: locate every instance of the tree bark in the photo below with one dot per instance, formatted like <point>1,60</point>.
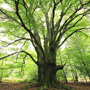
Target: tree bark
<point>47,74</point>
<point>47,67</point>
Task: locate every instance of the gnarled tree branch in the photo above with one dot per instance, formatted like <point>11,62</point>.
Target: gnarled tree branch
<point>14,41</point>
<point>71,35</point>
<point>10,55</point>
<point>60,67</point>
<point>30,57</point>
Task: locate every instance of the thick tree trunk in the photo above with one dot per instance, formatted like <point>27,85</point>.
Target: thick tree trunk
<point>46,62</point>
<point>47,74</point>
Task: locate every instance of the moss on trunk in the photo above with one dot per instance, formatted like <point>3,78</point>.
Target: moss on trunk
<point>47,74</point>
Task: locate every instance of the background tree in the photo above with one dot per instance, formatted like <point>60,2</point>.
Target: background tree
<point>44,24</point>
<point>77,53</point>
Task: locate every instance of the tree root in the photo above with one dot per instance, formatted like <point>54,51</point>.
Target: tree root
<point>42,86</point>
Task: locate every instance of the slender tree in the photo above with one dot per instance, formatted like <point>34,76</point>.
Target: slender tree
<point>47,24</point>
<point>78,55</point>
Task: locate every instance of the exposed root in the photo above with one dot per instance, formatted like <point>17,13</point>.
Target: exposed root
<point>42,86</point>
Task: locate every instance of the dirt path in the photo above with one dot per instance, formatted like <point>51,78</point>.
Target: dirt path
<point>19,86</point>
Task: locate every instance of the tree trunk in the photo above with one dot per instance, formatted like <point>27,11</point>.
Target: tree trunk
<point>47,67</point>
<point>47,74</point>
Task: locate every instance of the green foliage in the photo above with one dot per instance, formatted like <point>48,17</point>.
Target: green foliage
<point>76,54</point>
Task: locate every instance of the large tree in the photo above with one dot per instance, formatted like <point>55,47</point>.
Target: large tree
<point>47,24</point>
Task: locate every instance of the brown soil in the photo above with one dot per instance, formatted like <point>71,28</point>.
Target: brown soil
<point>19,86</point>
<point>79,86</point>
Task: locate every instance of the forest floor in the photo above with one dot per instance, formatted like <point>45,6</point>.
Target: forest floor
<point>20,86</point>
